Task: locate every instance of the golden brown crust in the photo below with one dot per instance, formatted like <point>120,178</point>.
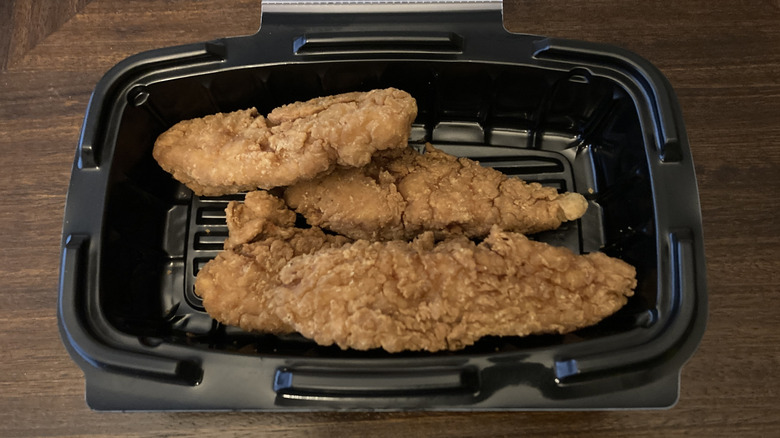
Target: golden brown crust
<point>236,285</point>
<point>401,194</point>
<point>405,296</point>
<point>239,151</point>
<point>399,295</point>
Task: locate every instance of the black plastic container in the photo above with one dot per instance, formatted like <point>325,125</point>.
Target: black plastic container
<point>579,116</point>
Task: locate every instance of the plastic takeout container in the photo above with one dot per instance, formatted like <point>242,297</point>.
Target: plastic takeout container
<point>578,116</point>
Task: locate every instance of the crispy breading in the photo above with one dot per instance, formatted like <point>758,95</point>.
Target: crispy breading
<point>425,296</point>
<point>235,286</point>
<point>400,295</point>
<point>401,194</point>
<point>239,151</point>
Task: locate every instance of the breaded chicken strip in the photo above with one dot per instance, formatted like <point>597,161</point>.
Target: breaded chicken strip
<point>239,151</point>
<point>235,286</point>
<point>399,295</point>
<point>402,193</point>
<point>425,296</point>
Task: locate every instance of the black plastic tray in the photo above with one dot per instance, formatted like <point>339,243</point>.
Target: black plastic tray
<point>578,116</point>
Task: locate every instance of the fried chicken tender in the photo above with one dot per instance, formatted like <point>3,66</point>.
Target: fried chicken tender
<point>239,151</point>
<point>236,285</point>
<point>400,295</point>
<point>426,296</point>
<point>402,193</point>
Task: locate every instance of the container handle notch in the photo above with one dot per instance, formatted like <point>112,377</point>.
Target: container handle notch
<point>318,384</point>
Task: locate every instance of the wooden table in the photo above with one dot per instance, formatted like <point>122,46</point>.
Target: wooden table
<point>722,57</point>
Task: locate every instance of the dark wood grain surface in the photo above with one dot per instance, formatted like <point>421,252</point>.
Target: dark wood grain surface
<point>722,58</point>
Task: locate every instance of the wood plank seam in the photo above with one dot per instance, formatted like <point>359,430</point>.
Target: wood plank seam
<point>26,23</point>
